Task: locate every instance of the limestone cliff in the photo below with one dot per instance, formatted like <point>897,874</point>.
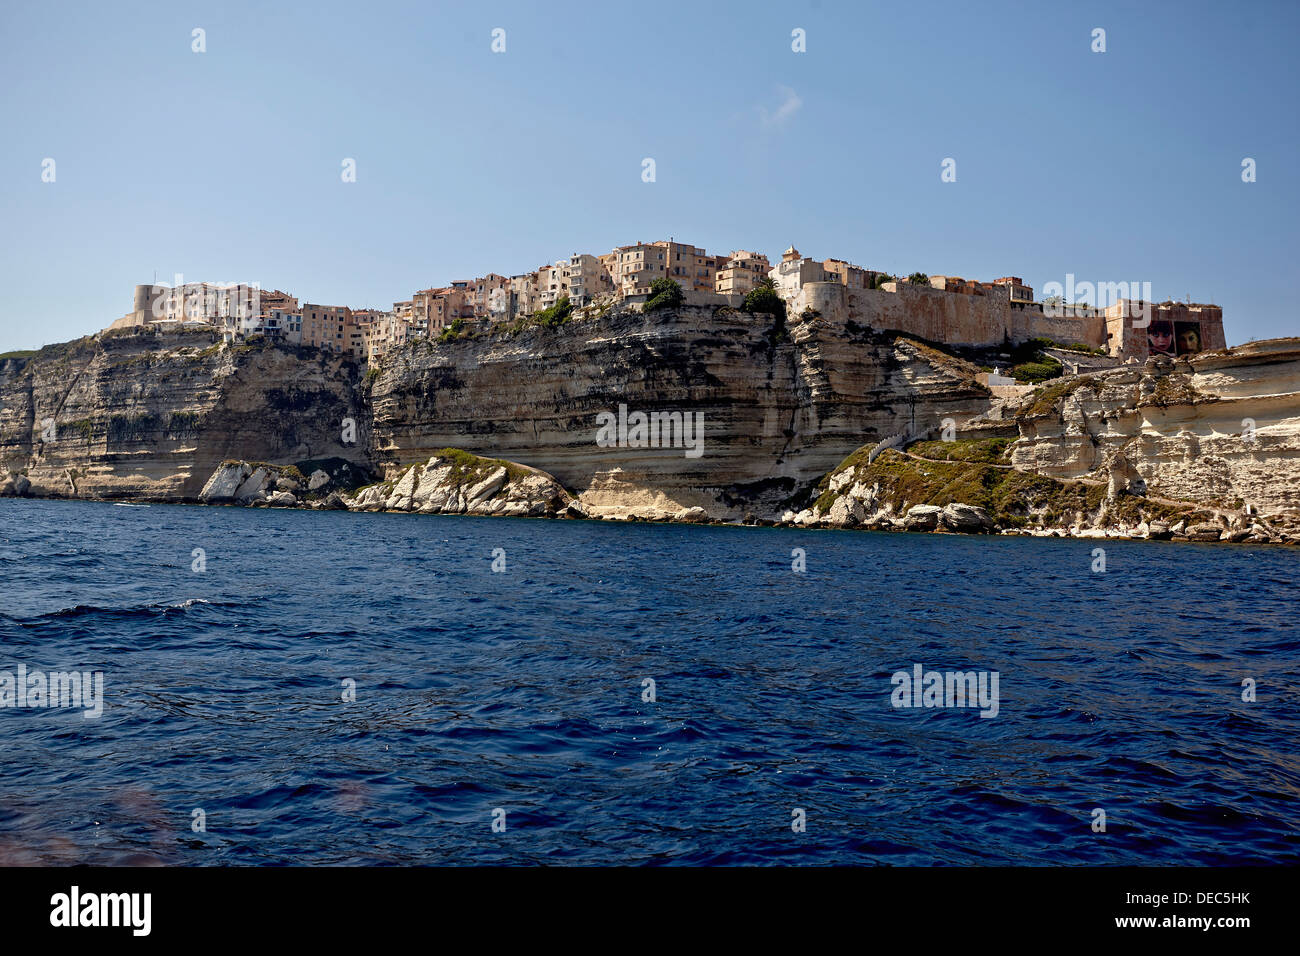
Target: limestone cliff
<point>1222,428</point>
<point>1205,450</point>
<point>145,416</point>
<point>776,407</point>
<point>779,406</point>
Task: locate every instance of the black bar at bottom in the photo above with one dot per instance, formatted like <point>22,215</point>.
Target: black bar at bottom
<point>338,905</point>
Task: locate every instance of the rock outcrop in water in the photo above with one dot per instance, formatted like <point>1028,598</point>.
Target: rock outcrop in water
<point>307,484</point>
<point>456,482</point>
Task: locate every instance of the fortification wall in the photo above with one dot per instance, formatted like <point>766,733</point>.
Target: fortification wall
<point>829,298</point>
<point>951,318</point>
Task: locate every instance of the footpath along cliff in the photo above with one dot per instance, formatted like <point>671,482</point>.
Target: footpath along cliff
<point>810,422</point>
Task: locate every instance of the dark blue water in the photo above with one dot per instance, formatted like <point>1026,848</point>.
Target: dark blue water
<point>522,690</point>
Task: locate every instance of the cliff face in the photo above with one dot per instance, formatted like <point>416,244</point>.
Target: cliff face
<point>771,409</point>
<point>137,415</point>
<point>1223,428</point>
<point>779,408</point>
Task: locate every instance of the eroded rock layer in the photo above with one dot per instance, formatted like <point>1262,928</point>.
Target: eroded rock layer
<point>150,417</point>
<point>778,408</point>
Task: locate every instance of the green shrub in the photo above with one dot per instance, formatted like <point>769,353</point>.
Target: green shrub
<point>556,315</point>
<point>664,294</point>
<point>452,331</point>
<point>1031,373</point>
<point>918,278</point>
<point>764,299</point>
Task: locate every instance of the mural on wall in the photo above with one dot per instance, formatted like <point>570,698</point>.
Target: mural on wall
<point>1174,338</point>
<point>1160,338</point>
<point>1187,337</point>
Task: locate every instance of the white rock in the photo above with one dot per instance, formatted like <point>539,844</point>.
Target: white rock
<point>405,487</point>
<point>922,517</point>
<point>966,518</point>
<point>434,483</point>
<point>486,488</point>
<point>254,485</point>
<point>846,512</point>
<point>225,481</point>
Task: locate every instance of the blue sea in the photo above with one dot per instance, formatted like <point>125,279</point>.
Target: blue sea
<point>337,688</point>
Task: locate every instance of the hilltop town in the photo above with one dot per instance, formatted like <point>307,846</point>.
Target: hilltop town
<point>945,309</point>
<point>806,382</point>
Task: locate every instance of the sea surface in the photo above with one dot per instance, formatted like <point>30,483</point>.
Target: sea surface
<point>520,697</point>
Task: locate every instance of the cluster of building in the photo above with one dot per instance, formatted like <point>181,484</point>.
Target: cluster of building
<point>943,308</point>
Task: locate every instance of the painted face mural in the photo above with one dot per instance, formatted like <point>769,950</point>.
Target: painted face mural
<point>1188,337</point>
<point>1160,338</point>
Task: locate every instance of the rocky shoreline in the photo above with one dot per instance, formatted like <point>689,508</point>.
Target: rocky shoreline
<point>455,482</point>
<point>956,519</point>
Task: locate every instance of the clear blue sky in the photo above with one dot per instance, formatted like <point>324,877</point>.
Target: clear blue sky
<point>225,165</point>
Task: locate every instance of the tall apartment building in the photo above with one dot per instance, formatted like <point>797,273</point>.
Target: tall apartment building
<point>522,295</point>
<point>283,325</point>
<point>588,278</point>
<point>690,267</point>
<point>552,283</point>
<point>392,331</point>
<point>639,265</point>
<point>430,312</point>
<point>326,327</point>
<point>460,301</point>
<point>488,296</point>
<point>367,327</point>
<point>740,272</point>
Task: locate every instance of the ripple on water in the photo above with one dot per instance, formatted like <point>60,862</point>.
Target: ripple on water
<point>364,689</point>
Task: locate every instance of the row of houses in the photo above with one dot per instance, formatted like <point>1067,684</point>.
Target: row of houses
<point>240,310</point>
<point>876,298</point>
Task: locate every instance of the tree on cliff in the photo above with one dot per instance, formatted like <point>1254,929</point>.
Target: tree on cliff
<point>557,314</point>
<point>664,294</point>
<point>919,278</point>
<point>764,299</point>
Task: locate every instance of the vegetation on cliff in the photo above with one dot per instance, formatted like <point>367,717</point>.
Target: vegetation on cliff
<point>972,474</point>
<point>466,469</point>
<point>664,294</point>
<point>1047,400</point>
<point>764,298</point>
<point>1031,364</point>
